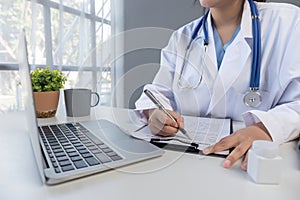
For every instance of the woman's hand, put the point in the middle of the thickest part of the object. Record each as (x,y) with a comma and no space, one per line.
(160,124)
(242,141)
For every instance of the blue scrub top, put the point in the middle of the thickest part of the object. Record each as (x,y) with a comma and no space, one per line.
(220,49)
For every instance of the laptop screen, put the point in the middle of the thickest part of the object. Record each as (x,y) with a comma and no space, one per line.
(27,95)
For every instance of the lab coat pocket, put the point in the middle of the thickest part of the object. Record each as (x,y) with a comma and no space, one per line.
(241,107)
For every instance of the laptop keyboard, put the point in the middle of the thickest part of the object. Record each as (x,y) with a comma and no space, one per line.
(70,146)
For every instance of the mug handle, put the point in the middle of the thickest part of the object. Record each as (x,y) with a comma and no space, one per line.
(98,98)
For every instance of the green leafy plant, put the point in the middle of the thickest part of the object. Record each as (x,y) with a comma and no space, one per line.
(44,80)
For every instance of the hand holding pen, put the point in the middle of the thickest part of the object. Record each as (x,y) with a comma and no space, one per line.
(164,122)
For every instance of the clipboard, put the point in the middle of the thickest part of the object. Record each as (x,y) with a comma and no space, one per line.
(192,148)
(179,144)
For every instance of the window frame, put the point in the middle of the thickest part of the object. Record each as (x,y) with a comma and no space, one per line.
(92,16)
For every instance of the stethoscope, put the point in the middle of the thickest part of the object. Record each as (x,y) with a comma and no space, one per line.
(252,98)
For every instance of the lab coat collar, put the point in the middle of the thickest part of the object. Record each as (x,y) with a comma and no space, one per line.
(246,32)
(234,61)
(246,23)
(211,52)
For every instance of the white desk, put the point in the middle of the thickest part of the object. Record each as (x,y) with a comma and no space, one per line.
(173,176)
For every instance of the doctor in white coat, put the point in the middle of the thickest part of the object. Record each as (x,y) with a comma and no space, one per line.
(212,80)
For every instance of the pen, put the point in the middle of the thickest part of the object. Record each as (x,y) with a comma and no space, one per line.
(161,107)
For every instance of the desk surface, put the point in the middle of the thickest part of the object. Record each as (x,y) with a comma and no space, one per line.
(174,175)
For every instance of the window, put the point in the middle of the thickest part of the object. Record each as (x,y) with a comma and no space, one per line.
(70,35)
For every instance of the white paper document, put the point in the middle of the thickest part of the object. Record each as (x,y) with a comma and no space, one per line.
(203,131)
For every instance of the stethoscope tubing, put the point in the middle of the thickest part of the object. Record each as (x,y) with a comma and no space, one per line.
(256,57)
(255,71)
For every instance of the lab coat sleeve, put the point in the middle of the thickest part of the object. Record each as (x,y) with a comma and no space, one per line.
(162,83)
(283,121)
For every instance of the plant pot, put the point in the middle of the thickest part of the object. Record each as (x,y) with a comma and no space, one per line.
(46,103)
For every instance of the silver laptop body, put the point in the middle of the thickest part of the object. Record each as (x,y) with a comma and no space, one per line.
(102,134)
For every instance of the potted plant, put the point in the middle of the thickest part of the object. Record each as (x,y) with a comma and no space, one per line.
(46,84)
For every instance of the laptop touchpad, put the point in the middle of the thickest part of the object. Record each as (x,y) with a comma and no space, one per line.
(120,140)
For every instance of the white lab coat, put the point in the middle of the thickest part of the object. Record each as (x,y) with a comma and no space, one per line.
(220,93)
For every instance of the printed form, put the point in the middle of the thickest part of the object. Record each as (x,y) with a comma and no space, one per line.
(203,131)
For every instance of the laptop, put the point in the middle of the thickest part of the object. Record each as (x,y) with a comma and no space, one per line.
(68,151)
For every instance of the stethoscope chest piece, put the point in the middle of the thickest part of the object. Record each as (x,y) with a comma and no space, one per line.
(252,98)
